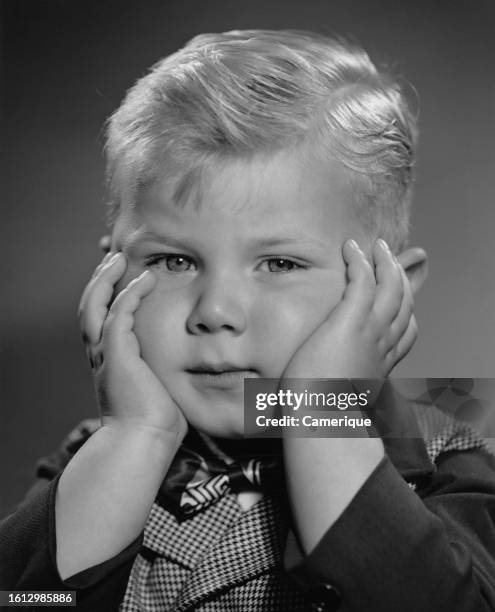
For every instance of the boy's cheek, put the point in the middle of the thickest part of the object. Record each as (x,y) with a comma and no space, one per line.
(309,309)
(290,322)
(159,316)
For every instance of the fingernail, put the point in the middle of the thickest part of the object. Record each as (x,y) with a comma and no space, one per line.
(136,279)
(353,244)
(114,257)
(384,245)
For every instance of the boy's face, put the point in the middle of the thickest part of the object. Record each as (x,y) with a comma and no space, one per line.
(243,279)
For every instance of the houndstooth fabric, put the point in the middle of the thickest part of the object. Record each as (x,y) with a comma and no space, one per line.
(225,560)
(220,560)
(442,433)
(455,438)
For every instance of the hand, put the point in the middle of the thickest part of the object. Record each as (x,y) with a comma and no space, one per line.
(128,392)
(370,330)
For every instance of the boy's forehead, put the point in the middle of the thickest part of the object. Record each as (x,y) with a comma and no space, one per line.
(282,190)
(236,183)
(287,176)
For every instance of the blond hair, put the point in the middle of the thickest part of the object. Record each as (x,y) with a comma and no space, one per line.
(242,93)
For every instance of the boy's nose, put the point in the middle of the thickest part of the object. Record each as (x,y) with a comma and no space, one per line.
(219,307)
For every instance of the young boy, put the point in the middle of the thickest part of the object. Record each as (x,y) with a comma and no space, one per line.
(260,186)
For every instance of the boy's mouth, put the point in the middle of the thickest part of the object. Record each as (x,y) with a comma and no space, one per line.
(217,368)
(220,375)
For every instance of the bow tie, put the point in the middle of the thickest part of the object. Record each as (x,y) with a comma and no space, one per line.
(201,474)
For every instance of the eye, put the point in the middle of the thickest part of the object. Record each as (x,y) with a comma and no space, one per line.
(281,265)
(173,263)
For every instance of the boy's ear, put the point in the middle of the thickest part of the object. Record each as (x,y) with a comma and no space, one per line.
(105,243)
(415,264)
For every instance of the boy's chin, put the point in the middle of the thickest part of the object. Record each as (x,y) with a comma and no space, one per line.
(218,416)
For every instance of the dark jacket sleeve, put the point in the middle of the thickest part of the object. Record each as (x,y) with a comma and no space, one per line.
(28,547)
(28,557)
(433,549)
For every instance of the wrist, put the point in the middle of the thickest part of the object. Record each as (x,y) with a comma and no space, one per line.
(132,431)
(323,477)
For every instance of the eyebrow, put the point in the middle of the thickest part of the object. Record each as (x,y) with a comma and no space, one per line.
(143,236)
(262,242)
(273,241)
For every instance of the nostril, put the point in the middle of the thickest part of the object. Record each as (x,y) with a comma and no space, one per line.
(206,329)
(209,317)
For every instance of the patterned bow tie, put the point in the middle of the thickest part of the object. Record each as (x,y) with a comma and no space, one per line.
(201,474)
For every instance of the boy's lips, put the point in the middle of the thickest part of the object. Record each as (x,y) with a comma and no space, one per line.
(217,367)
(222,375)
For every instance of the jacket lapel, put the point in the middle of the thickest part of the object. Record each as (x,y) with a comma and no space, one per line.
(186,542)
(251,548)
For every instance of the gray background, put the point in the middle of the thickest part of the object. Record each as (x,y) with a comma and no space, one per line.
(66,66)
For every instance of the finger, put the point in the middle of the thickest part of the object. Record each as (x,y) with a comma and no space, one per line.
(102,263)
(118,334)
(360,290)
(405,344)
(97,296)
(389,289)
(94,353)
(401,322)
(106,259)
